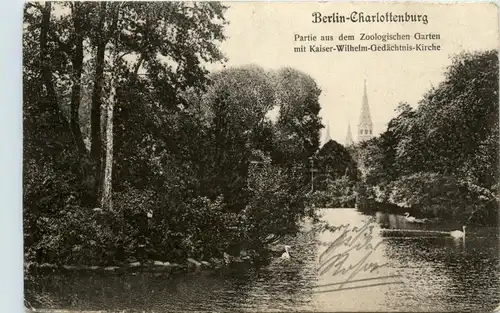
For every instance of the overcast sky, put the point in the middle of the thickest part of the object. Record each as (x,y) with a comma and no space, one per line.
(263,34)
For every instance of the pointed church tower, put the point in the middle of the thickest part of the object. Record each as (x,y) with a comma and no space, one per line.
(348,138)
(365,126)
(327,134)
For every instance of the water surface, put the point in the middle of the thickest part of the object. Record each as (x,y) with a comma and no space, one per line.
(420,271)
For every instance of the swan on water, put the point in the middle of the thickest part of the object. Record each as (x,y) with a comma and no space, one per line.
(458,234)
(410,218)
(286,254)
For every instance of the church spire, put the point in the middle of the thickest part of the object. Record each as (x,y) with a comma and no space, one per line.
(327,133)
(348,138)
(365,126)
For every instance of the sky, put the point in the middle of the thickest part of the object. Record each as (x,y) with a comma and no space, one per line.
(263,34)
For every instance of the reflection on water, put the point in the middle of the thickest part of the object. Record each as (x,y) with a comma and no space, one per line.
(437,273)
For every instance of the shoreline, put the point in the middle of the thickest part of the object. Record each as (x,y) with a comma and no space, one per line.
(154,266)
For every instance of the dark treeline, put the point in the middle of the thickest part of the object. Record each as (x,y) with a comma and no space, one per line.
(441,159)
(134,151)
(337,177)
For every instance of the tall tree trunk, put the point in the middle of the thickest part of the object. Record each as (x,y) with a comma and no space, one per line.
(77,62)
(107,181)
(62,126)
(106,200)
(89,197)
(95,114)
(44,62)
(45,67)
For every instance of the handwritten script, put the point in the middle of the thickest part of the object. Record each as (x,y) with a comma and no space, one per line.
(349,254)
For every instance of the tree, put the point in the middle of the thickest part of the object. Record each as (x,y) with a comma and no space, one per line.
(451,138)
(333,162)
(153,102)
(448,132)
(82,65)
(86,29)
(234,110)
(298,125)
(467,106)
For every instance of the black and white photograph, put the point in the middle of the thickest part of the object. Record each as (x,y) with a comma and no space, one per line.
(190,156)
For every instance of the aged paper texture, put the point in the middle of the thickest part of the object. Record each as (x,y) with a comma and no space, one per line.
(260,157)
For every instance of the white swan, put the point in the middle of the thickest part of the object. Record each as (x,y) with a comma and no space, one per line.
(286,254)
(410,218)
(457,233)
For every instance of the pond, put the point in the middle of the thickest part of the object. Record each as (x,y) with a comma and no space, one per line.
(360,266)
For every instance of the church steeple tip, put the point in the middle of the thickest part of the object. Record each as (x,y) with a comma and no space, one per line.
(327,134)
(365,126)
(348,139)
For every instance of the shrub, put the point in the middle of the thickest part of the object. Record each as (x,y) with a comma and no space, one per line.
(436,195)
(276,205)
(339,193)
(75,236)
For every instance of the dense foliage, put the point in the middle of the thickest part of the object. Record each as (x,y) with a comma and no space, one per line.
(336,177)
(134,151)
(442,157)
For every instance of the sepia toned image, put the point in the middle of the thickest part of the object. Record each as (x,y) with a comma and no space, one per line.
(260,157)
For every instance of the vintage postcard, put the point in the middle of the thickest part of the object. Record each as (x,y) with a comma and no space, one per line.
(260,157)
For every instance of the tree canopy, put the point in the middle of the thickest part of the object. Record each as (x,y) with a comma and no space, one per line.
(452,133)
(133,150)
